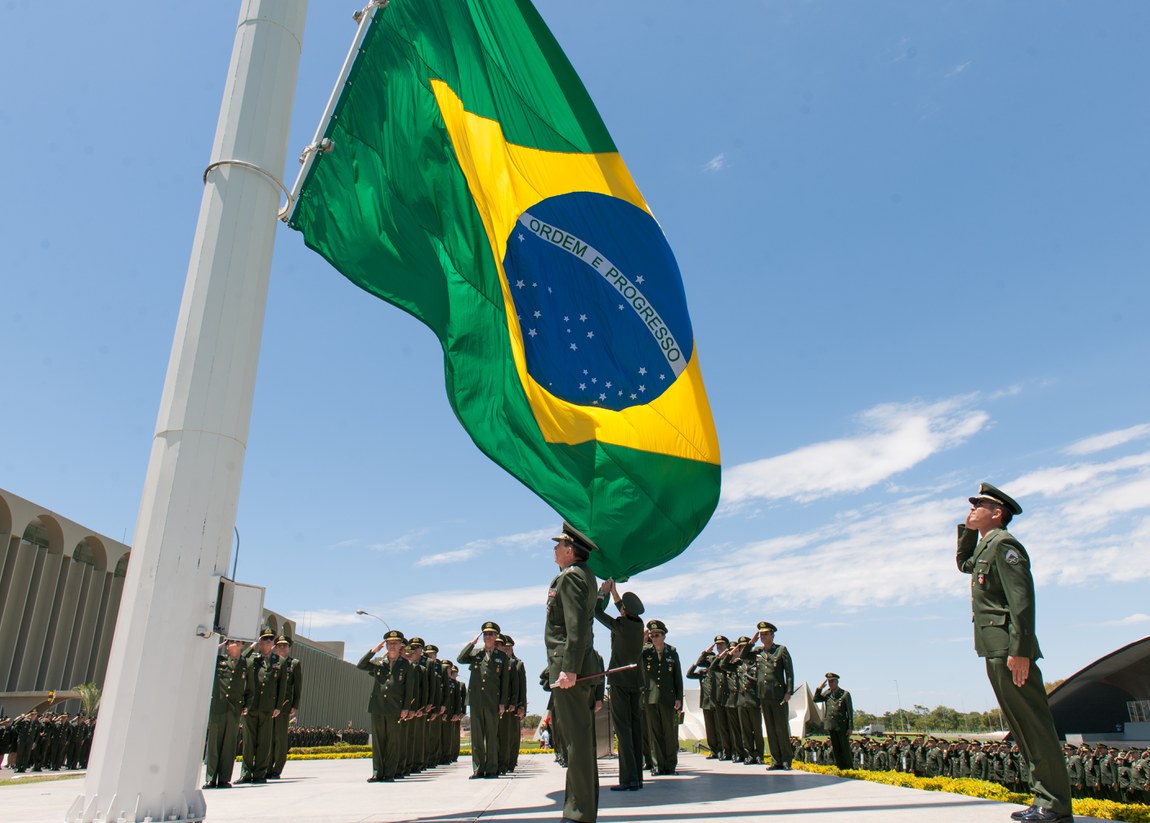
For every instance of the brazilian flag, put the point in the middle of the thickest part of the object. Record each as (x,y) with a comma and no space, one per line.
(473,184)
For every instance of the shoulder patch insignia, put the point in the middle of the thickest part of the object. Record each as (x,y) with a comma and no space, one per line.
(1012,557)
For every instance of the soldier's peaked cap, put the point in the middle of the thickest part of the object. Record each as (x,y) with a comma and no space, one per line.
(392,634)
(764,626)
(507,640)
(832,676)
(996,495)
(491,626)
(431,647)
(719,638)
(744,640)
(415,642)
(632,603)
(267,634)
(656,626)
(283,638)
(573,535)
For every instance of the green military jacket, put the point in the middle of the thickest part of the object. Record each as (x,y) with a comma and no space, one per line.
(489,685)
(569,631)
(840,712)
(662,676)
(263,684)
(746,680)
(291,683)
(229,686)
(1002,593)
(775,673)
(626,646)
(699,671)
(393,688)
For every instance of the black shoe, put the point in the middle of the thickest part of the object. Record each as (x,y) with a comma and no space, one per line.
(273,777)
(247,778)
(209,786)
(712,756)
(1021,814)
(775,767)
(387,780)
(1039,815)
(259,780)
(223,785)
(622,788)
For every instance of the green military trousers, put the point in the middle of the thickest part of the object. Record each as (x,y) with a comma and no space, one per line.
(778,727)
(575,711)
(257,744)
(664,736)
(508,740)
(751,728)
(223,737)
(386,742)
(485,742)
(1027,713)
(627,717)
(280,743)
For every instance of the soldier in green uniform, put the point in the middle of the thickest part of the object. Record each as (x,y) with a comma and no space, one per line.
(662,697)
(488,690)
(229,696)
(291,688)
(456,709)
(747,703)
(518,710)
(626,686)
(437,679)
(776,683)
(1002,596)
(263,691)
(413,729)
(726,692)
(700,671)
(391,703)
(839,718)
(568,635)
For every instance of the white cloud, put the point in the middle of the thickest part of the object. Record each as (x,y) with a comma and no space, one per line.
(716,163)
(897,437)
(1109,440)
(403,543)
(447,557)
(1129,620)
(448,606)
(1083,480)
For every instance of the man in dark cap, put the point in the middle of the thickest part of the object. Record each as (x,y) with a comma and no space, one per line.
(391,703)
(229,695)
(839,718)
(701,670)
(1002,597)
(626,714)
(516,709)
(568,635)
(775,672)
(488,690)
(263,691)
(662,697)
(291,689)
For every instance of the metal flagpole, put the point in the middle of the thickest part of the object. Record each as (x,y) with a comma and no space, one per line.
(150,737)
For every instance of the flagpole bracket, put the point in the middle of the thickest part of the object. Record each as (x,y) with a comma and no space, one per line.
(357,16)
(244,164)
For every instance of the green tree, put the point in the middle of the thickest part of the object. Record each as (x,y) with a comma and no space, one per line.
(89,698)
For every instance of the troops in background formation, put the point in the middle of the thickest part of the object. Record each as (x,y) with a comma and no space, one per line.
(1101,772)
(46,742)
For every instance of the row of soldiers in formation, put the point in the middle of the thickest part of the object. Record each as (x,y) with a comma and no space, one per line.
(1099,771)
(308,736)
(260,688)
(417,705)
(46,742)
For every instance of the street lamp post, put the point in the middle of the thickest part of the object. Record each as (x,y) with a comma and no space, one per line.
(369,614)
(905,725)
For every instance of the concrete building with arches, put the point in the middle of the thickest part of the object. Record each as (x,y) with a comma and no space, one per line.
(60,589)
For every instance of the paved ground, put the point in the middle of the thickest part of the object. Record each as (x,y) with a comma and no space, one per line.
(336,791)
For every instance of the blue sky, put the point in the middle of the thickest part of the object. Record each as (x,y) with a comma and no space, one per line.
(914,243)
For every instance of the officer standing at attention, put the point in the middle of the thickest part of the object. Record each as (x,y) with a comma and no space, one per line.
(662,697)
(569,638)
(263,698)
(392,701)
(626,715)
(776,681)
(701,670)
(291,687)
(1002,597)
(839,718)
(229,695)
(511,721)
(488,690)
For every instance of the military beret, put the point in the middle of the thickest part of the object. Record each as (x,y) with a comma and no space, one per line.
(431,647)
(491,626)
(764,626)
(575,538)
(994,495)
(283,639)
(744,640)
(656,626)
(415,642)
(631,602)
(392,634)
(267,634)
(722,639)
(832,676)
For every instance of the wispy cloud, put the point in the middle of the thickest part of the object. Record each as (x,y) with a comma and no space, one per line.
(959,69)
(325,619)
(447,557)
(1129,620)
(716,163)
(896,437)
(1101,442)
(404,542)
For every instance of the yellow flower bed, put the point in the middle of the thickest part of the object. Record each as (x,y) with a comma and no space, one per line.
(360,752)
(1087,807)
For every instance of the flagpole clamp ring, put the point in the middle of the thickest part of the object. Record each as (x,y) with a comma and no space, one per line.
(244,164)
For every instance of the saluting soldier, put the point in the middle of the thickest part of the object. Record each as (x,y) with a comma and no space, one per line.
(776,684)
(391,703)
(662,697)
(569,634)
(626,686)
(517,709)
(456,708)
(727,703)
(700,671)
(437,692)
(748,703)
(414,731)
(229,696)
(1002,598)
(839,718)
(291,688)
(1074,769)
(263,692)
(488,691)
